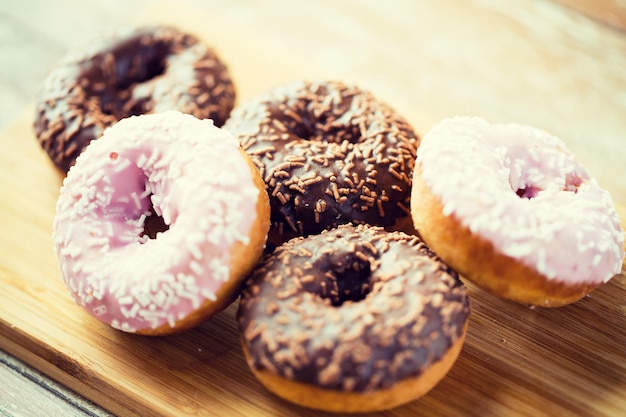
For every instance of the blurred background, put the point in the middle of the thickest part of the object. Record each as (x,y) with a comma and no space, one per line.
(556,64)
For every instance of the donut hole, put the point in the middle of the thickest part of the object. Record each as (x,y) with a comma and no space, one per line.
(304,130)
(528,192)
(150,66)
(572,183)
(326,126)
(347,278)
(131,71)
(153,225)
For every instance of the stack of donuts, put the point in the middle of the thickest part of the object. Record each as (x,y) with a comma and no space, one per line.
(342,233)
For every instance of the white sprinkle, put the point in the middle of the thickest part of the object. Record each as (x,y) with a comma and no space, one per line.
(141,161)
(132,312)
(126,300)
(98,294)
(195,251)
(159,298)
(136,200)
(196,267)
(154,157)
(141,221)
(72,251)
(193,297)
(127,237)
(109,229)
(597,259)
(209,295)
(77,267)
(157,176)
(94,179)
(97,241)
(122,164)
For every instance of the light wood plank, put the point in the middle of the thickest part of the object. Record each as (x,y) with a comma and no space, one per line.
(611,12)
(527,61)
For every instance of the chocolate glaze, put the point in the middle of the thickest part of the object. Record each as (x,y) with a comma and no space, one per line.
(351,309)
(330,154)
(131,72)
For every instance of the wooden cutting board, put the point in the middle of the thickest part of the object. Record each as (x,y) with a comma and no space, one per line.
(432,60)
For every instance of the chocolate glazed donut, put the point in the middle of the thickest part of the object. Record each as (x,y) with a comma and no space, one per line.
(330,154)
(131,72)
(340,320)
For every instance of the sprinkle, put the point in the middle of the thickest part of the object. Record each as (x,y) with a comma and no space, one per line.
(312,138)
(288,291)
(526,198)
(113,222)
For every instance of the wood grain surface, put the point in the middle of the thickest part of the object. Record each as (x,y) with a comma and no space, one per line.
(532,62)
(610,12)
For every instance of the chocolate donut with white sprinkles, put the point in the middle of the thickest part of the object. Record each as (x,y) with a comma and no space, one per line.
(125,73)
(330,154)
(354,319)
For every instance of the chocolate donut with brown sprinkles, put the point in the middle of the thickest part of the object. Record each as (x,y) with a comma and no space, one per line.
(330,154)
(354,319)
(124,73)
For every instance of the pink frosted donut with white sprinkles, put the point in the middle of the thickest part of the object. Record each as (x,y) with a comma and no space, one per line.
(510,208)
(191,180)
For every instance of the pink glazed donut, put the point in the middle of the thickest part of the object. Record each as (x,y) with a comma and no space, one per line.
(191,180)
(510,209)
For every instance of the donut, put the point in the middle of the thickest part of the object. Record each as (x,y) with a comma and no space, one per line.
(124,73)
(330,154)
(354,319)
(509,208)
(209,211)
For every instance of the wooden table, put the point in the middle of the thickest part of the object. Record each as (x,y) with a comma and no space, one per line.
(558,65)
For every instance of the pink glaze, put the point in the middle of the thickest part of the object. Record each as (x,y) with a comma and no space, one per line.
(521,189)
(194,176)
